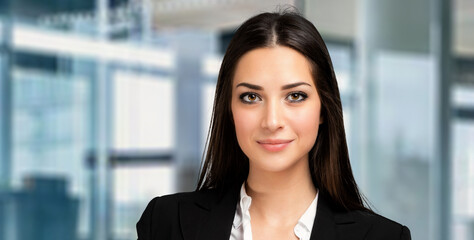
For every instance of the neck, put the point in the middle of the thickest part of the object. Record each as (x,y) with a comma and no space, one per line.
(281,195)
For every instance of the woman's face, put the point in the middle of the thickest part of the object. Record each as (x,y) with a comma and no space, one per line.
(275,107)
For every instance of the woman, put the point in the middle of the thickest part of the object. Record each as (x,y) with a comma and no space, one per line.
(277,164)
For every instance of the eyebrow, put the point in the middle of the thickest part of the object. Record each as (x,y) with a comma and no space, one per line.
(256,87)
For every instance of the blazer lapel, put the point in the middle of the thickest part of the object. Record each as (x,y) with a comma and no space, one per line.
(210,216)
(324,226)
(330,224)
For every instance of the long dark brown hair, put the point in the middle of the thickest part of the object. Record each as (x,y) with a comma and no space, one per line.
(225,165)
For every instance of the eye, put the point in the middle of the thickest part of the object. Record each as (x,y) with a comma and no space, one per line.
(296,97)
(249,98)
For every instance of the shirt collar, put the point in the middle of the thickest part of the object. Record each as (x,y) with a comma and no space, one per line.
(306,221)
(243,207)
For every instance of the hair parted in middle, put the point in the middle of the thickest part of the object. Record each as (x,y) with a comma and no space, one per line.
(225,165)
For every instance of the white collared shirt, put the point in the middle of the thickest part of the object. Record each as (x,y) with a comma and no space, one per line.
(241,228)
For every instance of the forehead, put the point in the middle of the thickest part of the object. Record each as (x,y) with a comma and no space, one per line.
(273,65)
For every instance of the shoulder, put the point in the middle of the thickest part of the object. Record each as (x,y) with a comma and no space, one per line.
(357,224)
(172,200)
(168,204)
(380,227)
(162,213)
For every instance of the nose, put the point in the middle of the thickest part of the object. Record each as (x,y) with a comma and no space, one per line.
(272,116)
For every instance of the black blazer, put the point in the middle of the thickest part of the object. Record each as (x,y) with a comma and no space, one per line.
(207,215)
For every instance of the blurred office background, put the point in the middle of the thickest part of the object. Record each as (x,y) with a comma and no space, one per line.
(105,104)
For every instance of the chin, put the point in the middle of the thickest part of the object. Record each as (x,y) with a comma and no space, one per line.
(274,164)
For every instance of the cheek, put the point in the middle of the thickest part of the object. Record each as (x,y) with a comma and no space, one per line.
(244,123)
(306,123)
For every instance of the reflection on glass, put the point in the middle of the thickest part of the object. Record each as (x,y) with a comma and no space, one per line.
(144,111)
(134,187)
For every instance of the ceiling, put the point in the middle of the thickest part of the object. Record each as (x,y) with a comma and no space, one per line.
(335,18)
(210,14)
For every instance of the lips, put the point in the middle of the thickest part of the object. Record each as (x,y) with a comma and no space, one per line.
(274,145)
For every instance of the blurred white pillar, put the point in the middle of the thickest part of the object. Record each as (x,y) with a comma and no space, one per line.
(442,49)
(101,220)
(147,19)
(191,46)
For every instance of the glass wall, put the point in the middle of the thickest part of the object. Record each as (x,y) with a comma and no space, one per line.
(106,104)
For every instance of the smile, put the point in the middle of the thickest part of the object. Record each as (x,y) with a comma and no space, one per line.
(274,145)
